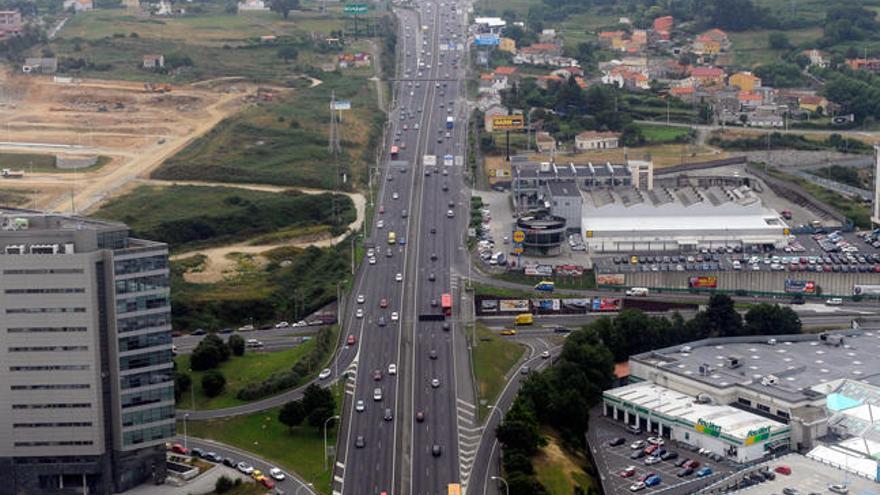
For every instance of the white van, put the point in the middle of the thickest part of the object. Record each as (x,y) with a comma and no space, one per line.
(253,344)
(834,301)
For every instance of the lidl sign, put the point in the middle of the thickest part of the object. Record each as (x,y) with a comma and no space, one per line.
(759,435)
(708,428)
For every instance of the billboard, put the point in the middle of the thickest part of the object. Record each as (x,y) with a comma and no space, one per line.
(539,271)
(569,270)
(489,305)
(546,304)
(800,286)
(703,282)
(610,279)
(487,39)
(508,122)
(606,304)
(341,105)
(866,290)
(518,305)
(429,160)
(576,304)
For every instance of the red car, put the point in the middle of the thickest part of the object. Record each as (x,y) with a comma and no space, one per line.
(383,303)
(179,449)
(269,484)
(692,464)
(351,340)
(381,208)
(650,449)
(627,472)
(783,470)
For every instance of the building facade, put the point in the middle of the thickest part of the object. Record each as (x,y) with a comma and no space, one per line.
(86,384)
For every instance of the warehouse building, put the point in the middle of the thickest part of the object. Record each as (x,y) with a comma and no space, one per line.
(678,219)
(820,387)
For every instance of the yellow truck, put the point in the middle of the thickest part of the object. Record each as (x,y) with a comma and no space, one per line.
(524,319)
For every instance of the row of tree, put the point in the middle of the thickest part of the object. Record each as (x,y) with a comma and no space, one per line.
(316,407)
(562,395)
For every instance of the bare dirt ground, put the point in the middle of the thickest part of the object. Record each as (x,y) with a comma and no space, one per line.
(223,261)
(137,129)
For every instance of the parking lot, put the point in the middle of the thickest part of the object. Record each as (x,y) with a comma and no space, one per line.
(611,460)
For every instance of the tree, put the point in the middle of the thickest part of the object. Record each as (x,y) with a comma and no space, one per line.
(772,319)
(519,430)
(778,41)
(209,353)
(318,404)
(288,53)
(236,344)
(284,7)
(523,484)
(213,383)
(182,383)
(721,317)
(292,414)
(223,484)
(632,136)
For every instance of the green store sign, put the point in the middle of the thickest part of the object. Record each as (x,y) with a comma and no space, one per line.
(707,428)
(758,435)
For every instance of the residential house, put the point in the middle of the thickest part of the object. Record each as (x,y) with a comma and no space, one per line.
(817,58)
(663,27)
(547,36)
(544,82)
(40,65)
(608,39)
(153,62)
(490,24)
(595,140)
(712,42)
(868,64)
(78,5)
(10,22)
(164,7)
(545,142)
(493,111)
(512,73)
(707,76)
(568,72)
(507,45)
(749,100)
(746,81)
(625,78)
(355,60)
(812,103)
(684,93)
(253,6)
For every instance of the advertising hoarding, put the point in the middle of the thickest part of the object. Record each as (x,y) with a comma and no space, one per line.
(539,271)
(576,304)
(508,122)
(546,304)
(606,304)
(518,305)
(800,286)
(487,39)
(569,270)
(489,305)
(866,290)
(703,282)
(610,279)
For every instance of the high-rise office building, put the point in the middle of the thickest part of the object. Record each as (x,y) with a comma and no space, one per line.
(86,380)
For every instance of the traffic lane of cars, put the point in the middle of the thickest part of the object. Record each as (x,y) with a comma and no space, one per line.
(282,483)
(617,458)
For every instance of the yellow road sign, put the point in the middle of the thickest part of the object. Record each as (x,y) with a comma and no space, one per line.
(519,236)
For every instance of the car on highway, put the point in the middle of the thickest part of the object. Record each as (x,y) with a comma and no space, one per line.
(282,324)
(435,382)
(432,277)
(432,354)
(392,369)
(561,330)
(199,331)
(436,451)
(276,474)
(508,331)
(359,313)
(377,374)
(377,394)
(388,414)
(245,328)
(381,321)
(433,303)
(351,340)
(420,416)
(383,303)
(359,406)
(324,374)
(433,230)
(380,224)
(361,299)
(359,442)
(395,196)
(372,260)
(433,256)
(398,277)
(245,468)
(545,355)
(394,316)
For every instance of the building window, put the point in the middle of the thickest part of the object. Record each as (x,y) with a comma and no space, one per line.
(73,386)
(141,284)
(147,397)
(142,303)
(148,434)
(148,416)
(64,443)
(782,414)
(45,291)
(144,360)
(51,367)
(145,264)
(12,311)
(162,337)
(745,402)
(45,329)
(51,348)
(73,405)
(68,424)
(43,271)
(762,407)
(148,378)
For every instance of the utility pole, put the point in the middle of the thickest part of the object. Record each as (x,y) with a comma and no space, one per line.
(335,150)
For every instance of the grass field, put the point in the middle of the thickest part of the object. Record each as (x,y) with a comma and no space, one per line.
(188,216)
(299,449)
(247,487)
(493,356)
(285,143)
(558,470)
(240,372)
(40,163)
(586,282)
(855,210)
(658,133)
(13,198)
(752,48)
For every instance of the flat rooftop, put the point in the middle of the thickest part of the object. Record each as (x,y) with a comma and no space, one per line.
(672,223)
(733,422)
(804,367)
(24,220)
(563,171)
(810,476)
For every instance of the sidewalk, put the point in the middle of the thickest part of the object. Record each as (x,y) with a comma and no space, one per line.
(203,483)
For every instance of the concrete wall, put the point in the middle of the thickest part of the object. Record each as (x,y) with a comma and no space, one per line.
(836,284)
(74,162)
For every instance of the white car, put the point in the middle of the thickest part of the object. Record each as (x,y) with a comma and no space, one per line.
(377,394)
(361,299)
(394,316)
(324,374)
(359,313)
(245,468)
(282,324)
(435,383)
(399,277)
(359,406)
(394,195)
(372,260)
(277,474)
(638,444)
(380,223)
(657,441)
(651,460)
(245,328)
(392,369)
(545,355)
(637,486)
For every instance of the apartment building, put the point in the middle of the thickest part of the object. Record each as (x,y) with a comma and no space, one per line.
(86,380)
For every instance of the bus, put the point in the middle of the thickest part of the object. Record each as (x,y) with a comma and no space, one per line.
(392,238)
(453,489)
(446,302)
(394,152)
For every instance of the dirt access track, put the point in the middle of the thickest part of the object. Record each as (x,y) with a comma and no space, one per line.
(136,129)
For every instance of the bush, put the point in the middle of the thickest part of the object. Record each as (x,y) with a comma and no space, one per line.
(224,484)
(236,345)
(182,383)
(210,352)
(213,383)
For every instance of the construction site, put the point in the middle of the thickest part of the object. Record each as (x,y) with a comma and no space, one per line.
(135,125)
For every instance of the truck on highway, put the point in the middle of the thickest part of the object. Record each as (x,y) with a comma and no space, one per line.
(448,160)
(395,152)
(545,285)
(524,319)
(11,174)
(450,122)
(637,292)
(392,238)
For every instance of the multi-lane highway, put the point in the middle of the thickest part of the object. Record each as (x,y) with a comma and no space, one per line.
(383,446)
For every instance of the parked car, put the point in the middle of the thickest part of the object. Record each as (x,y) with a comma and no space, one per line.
(638,444)
(838,488)
(685,471)
(245,468)
(704,471)
(783,470)
(653,480)
(637,486)
(655,440)
(195,451)
(635,430)
(668,456)
(614,442)
(627,472)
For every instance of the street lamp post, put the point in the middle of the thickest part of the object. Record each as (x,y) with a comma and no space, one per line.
(309,485)
(325,438)
(192,391)
(185,417)
(506,488)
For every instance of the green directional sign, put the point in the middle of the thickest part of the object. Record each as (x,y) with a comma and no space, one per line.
(355,8)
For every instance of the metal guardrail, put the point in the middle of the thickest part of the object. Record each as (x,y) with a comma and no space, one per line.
(833,185)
